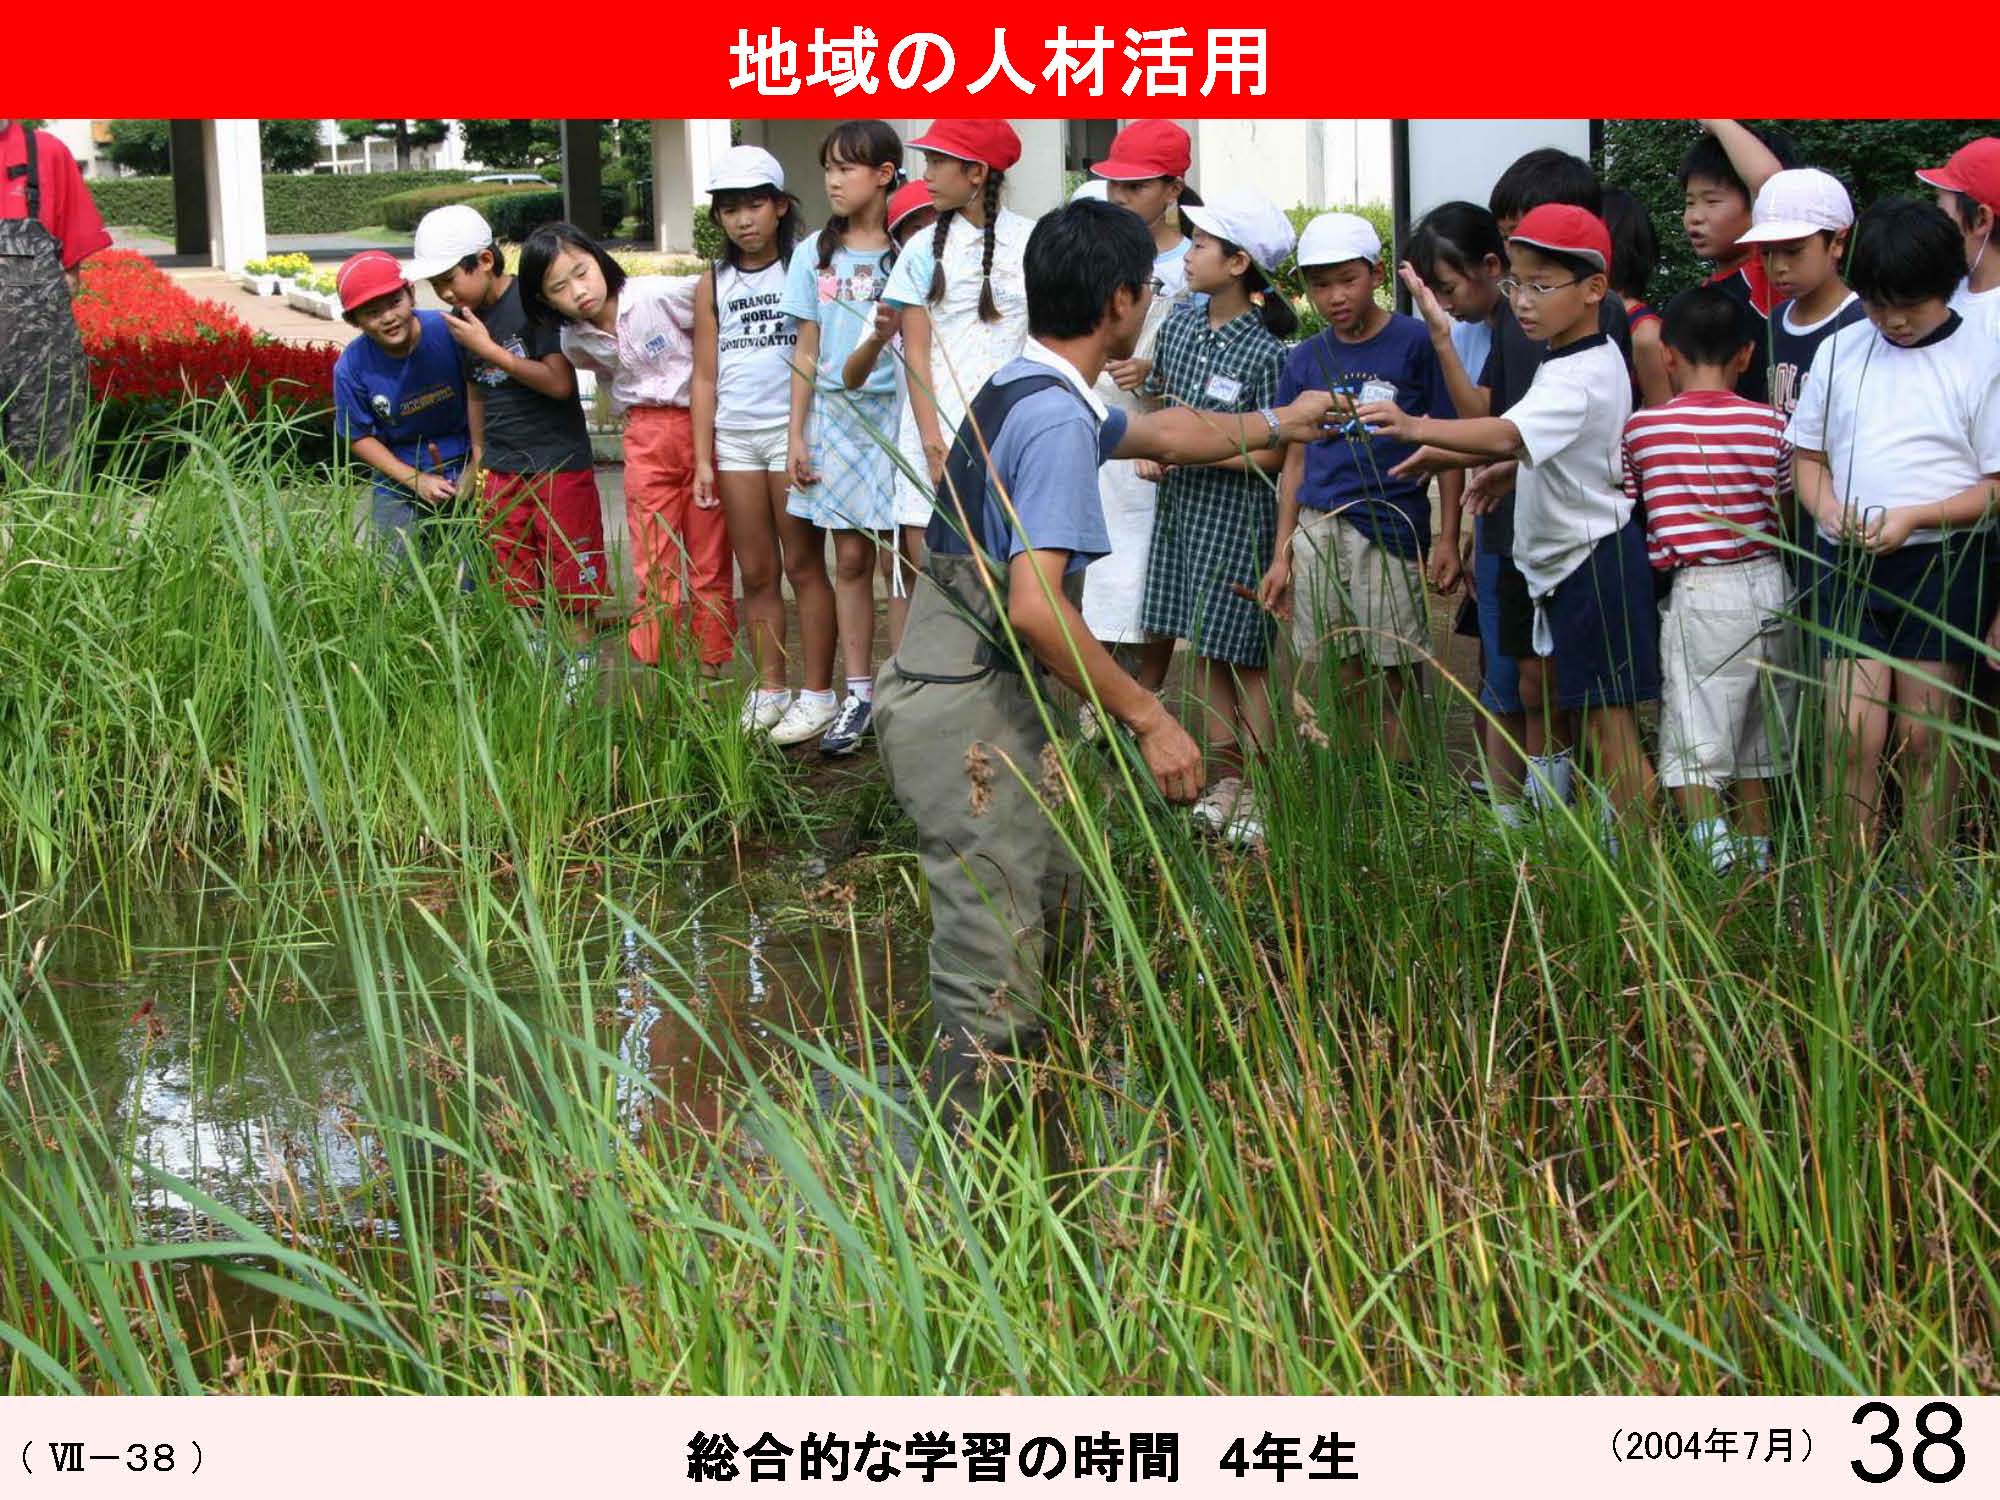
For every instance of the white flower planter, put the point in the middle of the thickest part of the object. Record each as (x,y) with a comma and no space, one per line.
(259,284)
(299,297)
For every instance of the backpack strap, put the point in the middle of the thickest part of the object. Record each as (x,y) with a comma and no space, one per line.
(966,488)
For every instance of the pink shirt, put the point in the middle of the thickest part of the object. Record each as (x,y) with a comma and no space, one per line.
(650,360)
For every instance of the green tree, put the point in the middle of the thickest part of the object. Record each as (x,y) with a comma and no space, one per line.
(510,143)
(407,134)
(288,145)
(1874,158)
(141,146)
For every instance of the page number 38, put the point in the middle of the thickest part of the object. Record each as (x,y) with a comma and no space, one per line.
(1937,1455)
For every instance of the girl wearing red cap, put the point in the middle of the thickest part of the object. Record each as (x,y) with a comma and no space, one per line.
(964,300)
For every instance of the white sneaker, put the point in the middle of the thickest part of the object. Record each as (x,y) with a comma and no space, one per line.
(1218,804)
(762,710)
(804,719)
(577,674)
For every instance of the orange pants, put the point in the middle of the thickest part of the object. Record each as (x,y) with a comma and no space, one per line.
(686,571)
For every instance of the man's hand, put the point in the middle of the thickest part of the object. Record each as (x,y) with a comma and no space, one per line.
(1129,374)
(469,333)
(1274,589)
(1445,570)
(1425,301)
(1170,754)
(1387,419)
(1307,419)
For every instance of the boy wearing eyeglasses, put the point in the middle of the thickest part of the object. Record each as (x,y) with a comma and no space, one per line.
(1577,542)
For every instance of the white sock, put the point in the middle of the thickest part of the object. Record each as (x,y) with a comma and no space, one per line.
(768,697)
(816,697)
(1551,779)
(862,688)
(1756,849)
(1511,814)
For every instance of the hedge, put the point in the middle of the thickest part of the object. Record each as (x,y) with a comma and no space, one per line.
(515,214)
(1874,158)
(403,210)
(316,203)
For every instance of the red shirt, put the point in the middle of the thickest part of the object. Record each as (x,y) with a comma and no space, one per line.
(1704,459)
(67,209)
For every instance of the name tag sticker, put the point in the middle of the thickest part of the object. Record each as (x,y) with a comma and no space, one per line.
(1223,388)
(1376,390)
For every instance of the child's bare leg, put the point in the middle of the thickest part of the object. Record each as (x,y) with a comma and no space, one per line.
(1215,689)
(746,510)
(804,548)
(1151,660)
(1399,698)
(1620,761)
(1253,707)
(1700,804)
(1857,728)
(1753,807)
(1928,765)
(1502,737)
(854,601)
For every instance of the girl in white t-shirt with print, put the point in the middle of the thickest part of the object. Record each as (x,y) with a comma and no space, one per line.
(962,290)
(741,396)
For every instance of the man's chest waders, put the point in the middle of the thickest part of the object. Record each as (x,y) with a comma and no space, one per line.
(958,729)
(41,352)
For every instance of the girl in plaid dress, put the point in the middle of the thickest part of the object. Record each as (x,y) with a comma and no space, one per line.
(1215,523)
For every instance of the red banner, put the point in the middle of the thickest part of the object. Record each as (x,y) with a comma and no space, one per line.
(495,58)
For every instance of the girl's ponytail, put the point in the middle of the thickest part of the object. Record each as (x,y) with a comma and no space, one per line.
(938,233)
(989,311)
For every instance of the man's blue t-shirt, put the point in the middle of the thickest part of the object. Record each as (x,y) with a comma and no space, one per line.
(1046,459)
(1350,471)
(408,404)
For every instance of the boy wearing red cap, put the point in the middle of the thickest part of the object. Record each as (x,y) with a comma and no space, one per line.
(1968,188)
(1577,541)
(1142,173)
(399,399)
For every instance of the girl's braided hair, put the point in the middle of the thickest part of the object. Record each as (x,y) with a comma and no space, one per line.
(989,310)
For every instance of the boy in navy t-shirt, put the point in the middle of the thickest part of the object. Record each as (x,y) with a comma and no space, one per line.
(399,400)
(1353,539)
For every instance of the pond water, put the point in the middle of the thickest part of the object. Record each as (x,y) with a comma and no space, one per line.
(223,1038)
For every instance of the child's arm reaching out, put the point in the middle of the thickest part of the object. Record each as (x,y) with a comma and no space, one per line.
(1480,437)
(1754,161)
(868,353)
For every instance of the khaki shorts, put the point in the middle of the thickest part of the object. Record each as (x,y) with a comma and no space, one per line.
(1351,597)
(1728,699)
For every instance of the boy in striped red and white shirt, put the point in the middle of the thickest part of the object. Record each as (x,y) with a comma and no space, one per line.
(1703,469)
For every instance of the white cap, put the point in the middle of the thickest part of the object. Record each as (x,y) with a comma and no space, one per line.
(1249,221)
(745,167)
(1795,204)
(445,236)
(1093,188)
(1331,239)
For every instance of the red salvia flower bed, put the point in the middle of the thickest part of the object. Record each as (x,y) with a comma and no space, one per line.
(152,344)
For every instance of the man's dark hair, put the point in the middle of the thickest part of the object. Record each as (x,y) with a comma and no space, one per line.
(541,248)
(1545,175)
(1635,249)
(1077,258)
(1707,160)
(1905,251)
(1706,326)
(1459,235)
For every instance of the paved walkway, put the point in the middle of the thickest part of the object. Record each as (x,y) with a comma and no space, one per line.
(321,247)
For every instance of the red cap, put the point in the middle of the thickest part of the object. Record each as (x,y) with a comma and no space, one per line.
(990,141)
(906,200)
(1565,228)
(364,277)
(1974,170)
(1146,149)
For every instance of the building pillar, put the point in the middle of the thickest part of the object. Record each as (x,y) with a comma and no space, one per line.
(683,153)
(582,144)
(234,159)
(188,162)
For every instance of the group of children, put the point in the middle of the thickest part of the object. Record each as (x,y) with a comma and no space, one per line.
(1658,495)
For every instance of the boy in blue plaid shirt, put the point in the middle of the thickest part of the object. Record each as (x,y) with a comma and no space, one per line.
(1215,523)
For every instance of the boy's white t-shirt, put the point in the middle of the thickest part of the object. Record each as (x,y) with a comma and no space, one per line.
(1902,426)
(1966,301)
(1570,493)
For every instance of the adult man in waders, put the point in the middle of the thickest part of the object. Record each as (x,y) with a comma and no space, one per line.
(48,224)
(1017,521)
